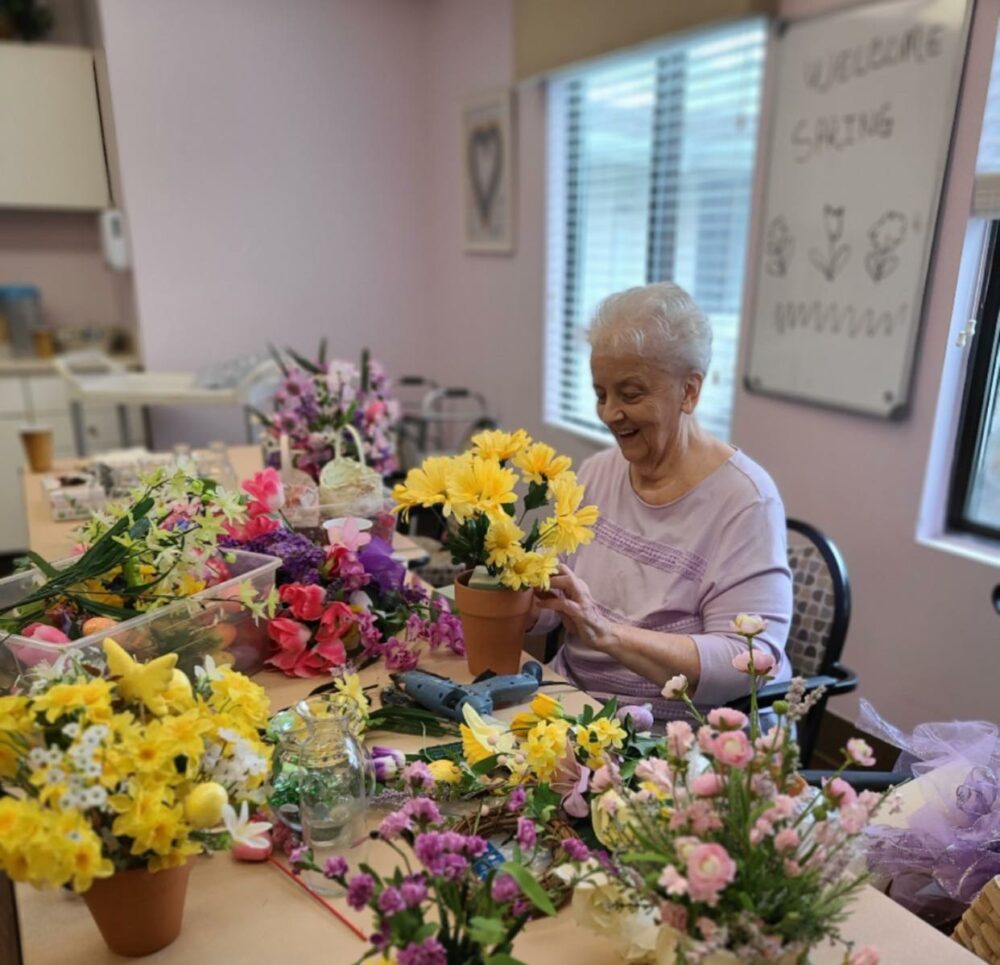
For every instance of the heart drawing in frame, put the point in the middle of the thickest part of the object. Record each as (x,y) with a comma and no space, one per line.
(485,160)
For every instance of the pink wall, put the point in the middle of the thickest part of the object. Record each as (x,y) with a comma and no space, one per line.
(923,634)
(273,158)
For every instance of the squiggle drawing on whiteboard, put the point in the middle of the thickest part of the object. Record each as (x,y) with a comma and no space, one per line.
(835,319)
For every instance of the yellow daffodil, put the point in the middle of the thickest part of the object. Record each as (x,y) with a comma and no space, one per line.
(544,747)
(239,696)
(503,540)
(523,722)
(481,739)
(425,486)
(546,706)
(596,738)
(480,485)
(499,445)
(144,683)
(540,464)
(529,571)
(445,771)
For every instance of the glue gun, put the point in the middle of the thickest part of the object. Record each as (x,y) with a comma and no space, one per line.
(446,697)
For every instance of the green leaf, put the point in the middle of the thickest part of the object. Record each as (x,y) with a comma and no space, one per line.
(365,369)
(43,564)
(427,930)
(276,355)
(303,363)
(608,710)
(486,931)
(322,350)
(486,765)
(538,495)
(531,541)
(533,891)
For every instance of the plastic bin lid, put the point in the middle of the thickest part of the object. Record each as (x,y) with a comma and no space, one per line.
(19,291)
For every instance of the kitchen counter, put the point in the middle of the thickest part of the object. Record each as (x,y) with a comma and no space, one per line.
(12,365)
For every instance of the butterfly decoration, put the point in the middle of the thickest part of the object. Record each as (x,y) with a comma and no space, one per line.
(141,682)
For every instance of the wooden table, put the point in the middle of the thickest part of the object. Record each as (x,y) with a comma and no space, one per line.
(54,540)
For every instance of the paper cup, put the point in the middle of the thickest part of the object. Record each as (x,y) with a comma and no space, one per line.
(37,442)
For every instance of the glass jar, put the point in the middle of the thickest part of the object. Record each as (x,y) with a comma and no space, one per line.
(214,463)
(322,779)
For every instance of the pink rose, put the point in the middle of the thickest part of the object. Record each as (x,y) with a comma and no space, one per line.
(332,652)
(252,528)
(336,620)
(732,747)
(725,718)
(291,638)
(706,738)
(763,662)
(305,602)
(674,915)
(266,490)
(709,870)
(707,785)
(680,737)
(787,839)
(840,792)
(672,881)
(860,752)
(865,955)
(749,624)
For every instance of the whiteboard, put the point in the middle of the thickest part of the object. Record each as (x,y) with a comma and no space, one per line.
(864,106)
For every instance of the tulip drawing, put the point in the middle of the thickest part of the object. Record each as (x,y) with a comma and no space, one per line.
(831,262)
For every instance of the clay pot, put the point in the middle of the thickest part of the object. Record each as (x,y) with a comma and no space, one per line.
(494,622)
(139,912)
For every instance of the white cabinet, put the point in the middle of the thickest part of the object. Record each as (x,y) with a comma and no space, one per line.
(13,525)
(52,152)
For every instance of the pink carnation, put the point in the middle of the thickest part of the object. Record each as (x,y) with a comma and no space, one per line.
(726,718)
(707,785)
(763,662)
(709,870)
(733,748)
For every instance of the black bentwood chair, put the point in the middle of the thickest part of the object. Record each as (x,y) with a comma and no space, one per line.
(821,612)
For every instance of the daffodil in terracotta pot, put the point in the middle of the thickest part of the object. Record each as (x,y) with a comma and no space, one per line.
(513,507)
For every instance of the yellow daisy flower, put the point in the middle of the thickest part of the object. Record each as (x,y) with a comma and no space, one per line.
(480,485)
(499,445)
(503,540)
(425,486)
(539,463)
(529,571)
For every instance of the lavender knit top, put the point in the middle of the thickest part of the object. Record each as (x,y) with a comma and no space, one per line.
(687,567)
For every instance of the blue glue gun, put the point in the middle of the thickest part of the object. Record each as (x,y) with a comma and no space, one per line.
(446,697)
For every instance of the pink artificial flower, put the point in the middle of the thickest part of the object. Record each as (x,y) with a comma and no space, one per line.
(709,870)
(266,490)
(763,662)
(792,868)
(657,772)
(749,624)
(840,792)
(44,633)
(707,785)
(726,718)
(674,687)
(702,817)
(865,955)
(732,747)
(787,839)
(853,818)
(772,741)
(860,752)
(306,602)
(252,528)
(605,776)
(336,620)
(706,738)
(291,638)
(570,782)
(375,408)
(680,737)
(333,652)
(674,915)
(349,535)
(672,881)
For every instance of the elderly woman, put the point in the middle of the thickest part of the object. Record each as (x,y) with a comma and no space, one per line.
(692,531)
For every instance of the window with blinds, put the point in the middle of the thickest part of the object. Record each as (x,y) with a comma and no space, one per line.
(650,175)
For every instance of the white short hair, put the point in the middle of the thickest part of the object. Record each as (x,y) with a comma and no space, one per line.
(659,320)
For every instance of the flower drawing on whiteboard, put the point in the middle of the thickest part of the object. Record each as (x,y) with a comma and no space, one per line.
(831,262)
(885,236)
(779,245)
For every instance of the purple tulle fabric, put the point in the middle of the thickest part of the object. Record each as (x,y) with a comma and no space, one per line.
(951,846)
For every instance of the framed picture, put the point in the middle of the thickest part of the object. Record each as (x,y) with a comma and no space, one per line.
(488,161)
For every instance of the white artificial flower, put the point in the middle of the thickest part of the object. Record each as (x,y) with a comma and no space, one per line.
(37,757)
(242,830)
(72,729)
(749,624)
(359,600)
(208,671)
(55,775)
(674,687)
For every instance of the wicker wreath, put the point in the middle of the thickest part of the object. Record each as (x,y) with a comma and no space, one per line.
(500,822)
(979,929)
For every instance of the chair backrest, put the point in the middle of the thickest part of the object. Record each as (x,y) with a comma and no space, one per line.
(821,600)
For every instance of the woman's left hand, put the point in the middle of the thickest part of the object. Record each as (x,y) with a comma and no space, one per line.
(578,610)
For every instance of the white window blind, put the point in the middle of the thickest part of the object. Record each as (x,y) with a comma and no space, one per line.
(650,176)
(986,195)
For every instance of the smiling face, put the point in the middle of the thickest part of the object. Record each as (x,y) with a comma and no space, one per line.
(641,403)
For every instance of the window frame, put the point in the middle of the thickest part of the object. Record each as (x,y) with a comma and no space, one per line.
(981,387)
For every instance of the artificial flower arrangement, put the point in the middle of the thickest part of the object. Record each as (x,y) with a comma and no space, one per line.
(477,492)
(108,765)
(317,399)
(452,902)
(345,602)
(722,853)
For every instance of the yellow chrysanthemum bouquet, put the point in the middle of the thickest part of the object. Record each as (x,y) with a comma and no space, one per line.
(109,765)
(516,537)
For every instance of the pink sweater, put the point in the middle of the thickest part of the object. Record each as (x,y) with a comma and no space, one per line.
(687,567)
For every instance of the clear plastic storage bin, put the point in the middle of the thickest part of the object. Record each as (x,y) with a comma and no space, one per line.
(211,623)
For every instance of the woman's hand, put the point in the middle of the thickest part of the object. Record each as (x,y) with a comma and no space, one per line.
(578,610)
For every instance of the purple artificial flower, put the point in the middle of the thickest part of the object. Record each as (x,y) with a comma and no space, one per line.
(297,855)
(335,867)
(414,891)
(423,809)
(453,867)
(505,889)
(385,769)
(360,890)
(300,557)
(417,776)
(429,952)
(391,901)
(521,908)
(641,714)
(399,658)
(527,833)
(474,846)
(391,752)
(416,627)
(575,848)
(388,573)
(517,798)
(393,825)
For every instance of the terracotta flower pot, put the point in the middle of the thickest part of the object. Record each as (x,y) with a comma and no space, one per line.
(494,622)
(139,912)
